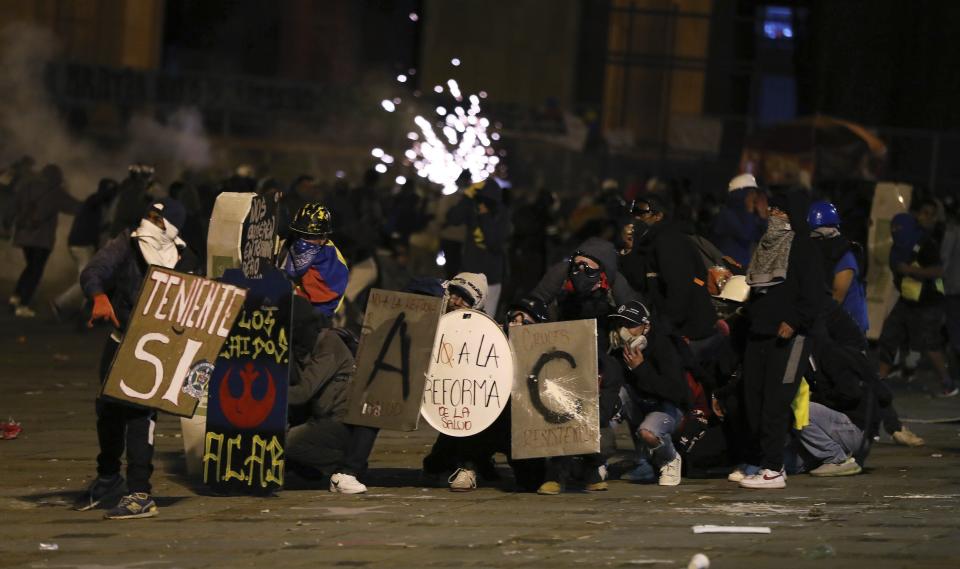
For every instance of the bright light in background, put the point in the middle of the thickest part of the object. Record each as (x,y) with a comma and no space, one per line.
(456,140)
(402,78)
(455,62)
(341,174)
(441,259)
(414,17)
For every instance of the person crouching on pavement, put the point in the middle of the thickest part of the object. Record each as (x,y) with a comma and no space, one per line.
(787,296)
(120,267)
(312,261)
(659,394)
(320,376)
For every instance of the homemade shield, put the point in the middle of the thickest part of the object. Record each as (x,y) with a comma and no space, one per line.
(556,401)
(470,376)
(176,330)
(889,199)
(398,332)
(247,405)
(243,229)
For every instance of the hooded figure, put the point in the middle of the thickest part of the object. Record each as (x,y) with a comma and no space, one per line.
(586,285)
(466,290)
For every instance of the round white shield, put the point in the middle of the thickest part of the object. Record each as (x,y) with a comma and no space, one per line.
(470,375)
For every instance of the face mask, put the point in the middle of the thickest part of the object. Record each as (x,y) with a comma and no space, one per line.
(640,230)
(158,246)
(583,283)
(621,338)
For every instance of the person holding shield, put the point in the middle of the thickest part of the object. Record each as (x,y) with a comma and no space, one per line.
(112,281)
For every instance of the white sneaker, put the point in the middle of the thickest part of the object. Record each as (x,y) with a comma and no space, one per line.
(346,484)
(463,480)
(670,473)
(23,311)
(765,479)
(13,301)
(737,475)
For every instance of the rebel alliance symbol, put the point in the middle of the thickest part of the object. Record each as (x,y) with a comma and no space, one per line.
(245,412)
(554,417)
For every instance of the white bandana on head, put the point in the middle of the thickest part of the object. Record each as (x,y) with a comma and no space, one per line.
(158,246)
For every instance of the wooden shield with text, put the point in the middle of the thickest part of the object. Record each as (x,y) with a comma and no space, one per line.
(392,360)
(556,400)
(247,406)
(176,330)
(243,230)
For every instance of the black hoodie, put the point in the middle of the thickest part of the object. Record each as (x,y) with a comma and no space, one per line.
(666,268)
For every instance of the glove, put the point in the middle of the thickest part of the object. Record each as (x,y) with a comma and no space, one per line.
(103,310)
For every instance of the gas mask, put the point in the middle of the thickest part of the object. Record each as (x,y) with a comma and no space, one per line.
(622,338)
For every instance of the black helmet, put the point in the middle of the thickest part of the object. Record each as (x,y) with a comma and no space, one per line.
(532,306)
(313,219)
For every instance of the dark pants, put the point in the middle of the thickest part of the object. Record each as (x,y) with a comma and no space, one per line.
(124,427)
(772,368)
(30,277)
(317,447)
(358,452)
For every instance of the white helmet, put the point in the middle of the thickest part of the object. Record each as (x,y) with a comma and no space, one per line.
(743,181)
(735,289)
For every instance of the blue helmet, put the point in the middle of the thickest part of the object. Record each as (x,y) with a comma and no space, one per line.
(823,214)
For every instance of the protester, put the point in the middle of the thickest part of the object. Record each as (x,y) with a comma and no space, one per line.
(587,286)
(487,222)
(131,198)
(313,262)
(86,235)
(320,375)
(741,221)
(37,204)
(786,298)
(112,281)
(950,256)
(667,271)
(658,391)
(842,261)
(917,317)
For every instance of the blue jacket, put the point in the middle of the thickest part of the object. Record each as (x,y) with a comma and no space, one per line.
(736,230)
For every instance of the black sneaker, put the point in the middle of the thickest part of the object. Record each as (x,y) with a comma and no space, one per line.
(100,489)
(132,506)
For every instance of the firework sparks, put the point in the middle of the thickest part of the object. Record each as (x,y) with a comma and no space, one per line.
(457,140)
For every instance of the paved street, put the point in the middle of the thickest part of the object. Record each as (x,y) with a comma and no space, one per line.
(902,513)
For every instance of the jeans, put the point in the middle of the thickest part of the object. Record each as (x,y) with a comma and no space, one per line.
(656,416)
(830,438)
